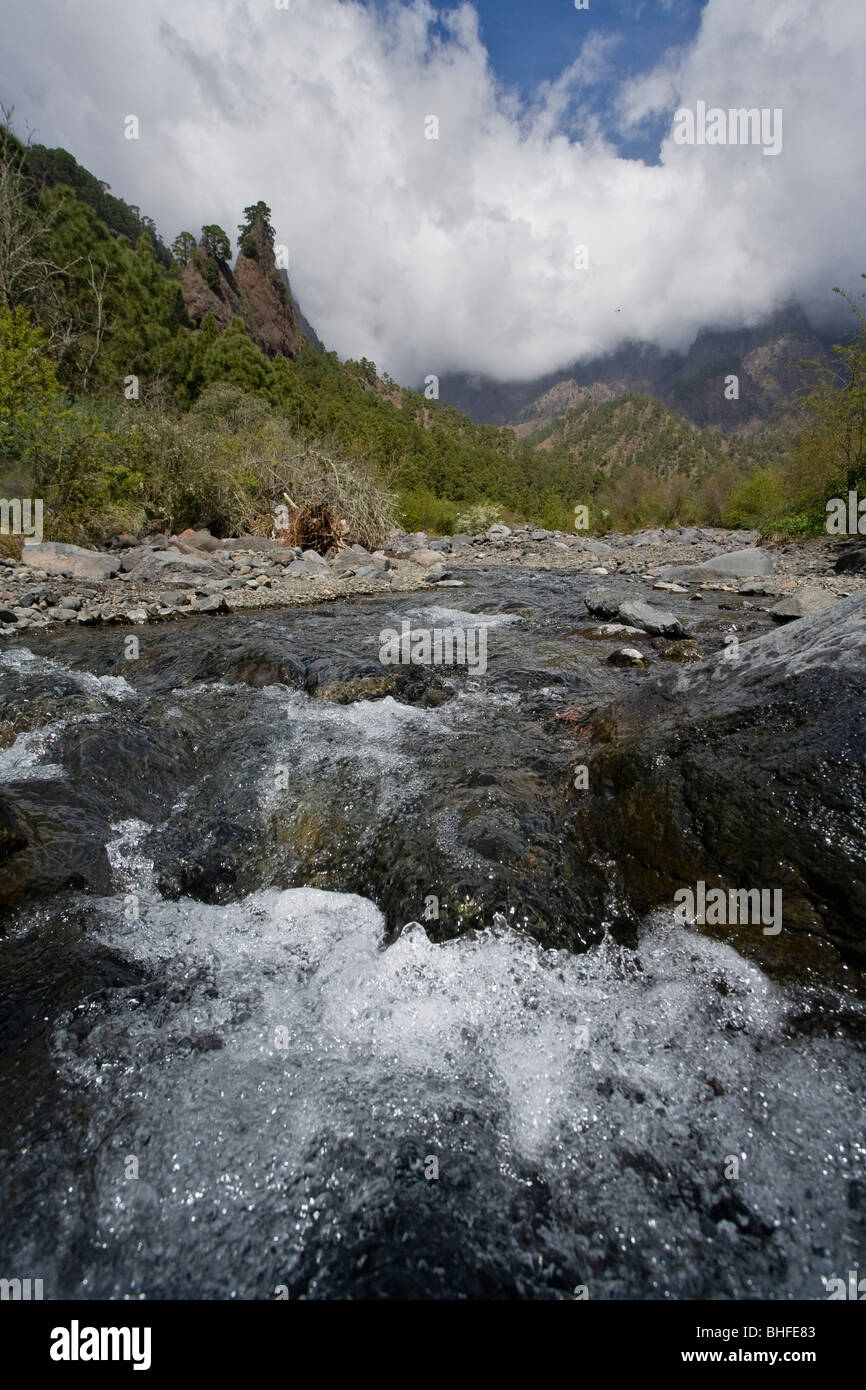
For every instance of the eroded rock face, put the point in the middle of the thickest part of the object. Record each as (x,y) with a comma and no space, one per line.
(254,291)
(745,774)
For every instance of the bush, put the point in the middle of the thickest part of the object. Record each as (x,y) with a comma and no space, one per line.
(758,501)
(479,517)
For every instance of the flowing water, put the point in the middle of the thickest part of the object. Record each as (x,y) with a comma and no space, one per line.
(323,998)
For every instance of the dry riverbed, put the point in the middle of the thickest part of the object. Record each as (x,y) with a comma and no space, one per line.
(174,577)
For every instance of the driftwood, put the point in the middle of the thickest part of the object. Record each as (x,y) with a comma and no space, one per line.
(313,528)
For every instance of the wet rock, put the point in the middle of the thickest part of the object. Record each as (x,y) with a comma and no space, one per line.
(628,656)
(606,631)
(53,557)
(669,588)
(653,620)
(750,776)
(686,650)
(211,603)
(602,602)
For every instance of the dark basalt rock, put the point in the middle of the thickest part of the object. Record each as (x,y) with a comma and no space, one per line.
(745,774)
(852,560)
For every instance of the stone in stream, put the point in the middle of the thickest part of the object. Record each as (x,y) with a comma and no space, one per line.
(655,621)
(809,599)
(211,603)
(628,656)
(747,774)
(686,650)
(53,557)
(602,602)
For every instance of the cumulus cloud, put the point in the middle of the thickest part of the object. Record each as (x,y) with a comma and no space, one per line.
(459,253)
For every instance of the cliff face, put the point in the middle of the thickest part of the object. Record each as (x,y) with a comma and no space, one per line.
(255,292)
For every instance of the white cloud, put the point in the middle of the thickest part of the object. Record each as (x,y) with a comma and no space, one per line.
(430,256)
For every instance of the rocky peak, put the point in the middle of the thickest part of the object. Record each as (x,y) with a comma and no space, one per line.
(255,291)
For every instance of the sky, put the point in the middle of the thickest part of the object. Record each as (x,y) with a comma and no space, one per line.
(564,206)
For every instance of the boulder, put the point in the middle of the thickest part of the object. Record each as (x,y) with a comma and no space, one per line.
(304,569)
(425,557)
(737,564)
(602,602)
(745,774)
(655,621)
(799,605)
(201,540)
(173,567)
(852,560)
(53,557)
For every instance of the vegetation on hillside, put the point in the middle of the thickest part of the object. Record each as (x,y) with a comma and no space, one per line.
(122,414)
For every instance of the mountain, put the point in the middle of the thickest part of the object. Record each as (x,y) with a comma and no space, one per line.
(255,292)
(766,359)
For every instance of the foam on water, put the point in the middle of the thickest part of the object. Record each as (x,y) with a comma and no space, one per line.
(24,662)
(285,1076)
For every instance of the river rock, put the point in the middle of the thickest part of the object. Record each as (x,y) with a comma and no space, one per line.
(799,605)
(425,557)
(174,567)
(750,775)
(628,656)
(655,621)
(852,560)
(304,569)
(53,557)
(738,564)
(602,602)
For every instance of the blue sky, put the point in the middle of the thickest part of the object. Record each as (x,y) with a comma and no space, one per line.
(530,42)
